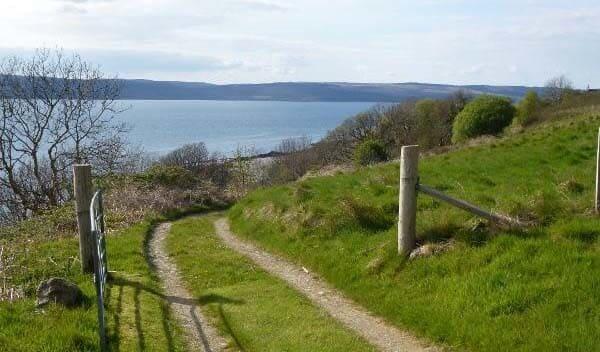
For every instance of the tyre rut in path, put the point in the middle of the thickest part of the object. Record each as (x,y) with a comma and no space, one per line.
(200,336)
(373,329)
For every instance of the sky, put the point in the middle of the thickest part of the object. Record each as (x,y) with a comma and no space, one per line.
(509,42)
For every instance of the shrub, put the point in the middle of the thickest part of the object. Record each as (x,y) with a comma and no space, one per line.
(430,122)
(169,176)
(528,108)
(191,157)
(557,88)
(487,114)
(369,152)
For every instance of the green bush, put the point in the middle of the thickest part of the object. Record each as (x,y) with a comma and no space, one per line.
(528,108)
(487,114)
(369,152)
(169,176)
(430,118)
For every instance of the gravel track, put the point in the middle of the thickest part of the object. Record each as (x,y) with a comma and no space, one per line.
(199,334)
(375,330)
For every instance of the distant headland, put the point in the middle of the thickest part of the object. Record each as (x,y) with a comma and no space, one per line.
(306,91)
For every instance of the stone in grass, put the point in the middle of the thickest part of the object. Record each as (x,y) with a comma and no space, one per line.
(429,249)
(59,291)
(422,251)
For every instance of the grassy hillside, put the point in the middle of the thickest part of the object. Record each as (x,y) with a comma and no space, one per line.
(488,290)
(138,318)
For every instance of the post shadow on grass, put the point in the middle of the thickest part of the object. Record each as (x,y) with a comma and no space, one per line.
(166,300)
(221,301)
(213,298)
(138,321)
(230,329)
(438,233)
(475,236)
(140,288)
(114,339)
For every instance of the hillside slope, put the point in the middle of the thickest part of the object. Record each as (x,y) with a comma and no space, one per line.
(487,290)
(306,91)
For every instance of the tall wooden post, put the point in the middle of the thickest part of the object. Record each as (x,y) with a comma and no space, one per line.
(82,184)
(407,212)
(598,175)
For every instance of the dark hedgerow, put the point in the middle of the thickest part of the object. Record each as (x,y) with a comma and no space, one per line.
(487,114)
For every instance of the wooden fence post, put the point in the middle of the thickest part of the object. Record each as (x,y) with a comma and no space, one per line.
(82,184)
(598,175)
(407,212)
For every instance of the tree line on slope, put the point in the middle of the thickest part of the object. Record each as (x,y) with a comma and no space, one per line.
(378,134)
(57,110)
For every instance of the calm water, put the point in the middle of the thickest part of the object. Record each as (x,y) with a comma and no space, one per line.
(160,126)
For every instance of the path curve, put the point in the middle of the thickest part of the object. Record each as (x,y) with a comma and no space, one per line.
(375,330)
(199,334)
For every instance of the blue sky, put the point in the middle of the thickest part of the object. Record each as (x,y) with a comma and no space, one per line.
(232,41)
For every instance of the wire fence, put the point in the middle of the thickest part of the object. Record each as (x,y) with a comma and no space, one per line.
(100,262)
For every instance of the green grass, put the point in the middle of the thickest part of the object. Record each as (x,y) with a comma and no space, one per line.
(137,316)
(255,310)
(534,290)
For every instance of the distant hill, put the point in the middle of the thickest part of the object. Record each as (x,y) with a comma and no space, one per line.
(305,91)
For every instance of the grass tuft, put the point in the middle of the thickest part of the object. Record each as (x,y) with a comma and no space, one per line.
(367,216)
(585,230)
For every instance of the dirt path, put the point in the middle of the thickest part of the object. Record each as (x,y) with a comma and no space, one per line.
(373,329)
(200,335)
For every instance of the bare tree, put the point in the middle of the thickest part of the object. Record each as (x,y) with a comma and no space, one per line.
(363,125)
(217,170)
(339,143)
(295,159)
(398,126)
(242,174)
(192,157)
(556,88)
(55,110)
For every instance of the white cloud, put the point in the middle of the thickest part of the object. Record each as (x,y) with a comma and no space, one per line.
(261,5)
(454,41)
(68,8)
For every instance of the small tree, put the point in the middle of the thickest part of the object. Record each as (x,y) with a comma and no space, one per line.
(192,157)
(557,88)
(295,159)
(369,152)
(343,139)
(432,122)
(241,168)
(528,108)
(487,114)
(55,110)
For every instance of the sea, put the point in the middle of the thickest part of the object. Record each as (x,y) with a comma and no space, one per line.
(159,126)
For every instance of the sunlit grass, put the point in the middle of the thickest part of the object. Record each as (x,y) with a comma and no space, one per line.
(534,290)
(137,315)
(256,311)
